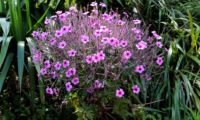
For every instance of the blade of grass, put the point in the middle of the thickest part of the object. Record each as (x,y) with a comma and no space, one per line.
(194,42)
(20,58)
(195,59)
(5,69)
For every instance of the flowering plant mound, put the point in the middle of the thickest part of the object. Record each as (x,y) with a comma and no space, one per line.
(97,55)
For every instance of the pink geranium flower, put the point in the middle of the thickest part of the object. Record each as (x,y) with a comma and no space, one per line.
(68,86)
(127,55)
(141,45)
(136,89)
(119,93)
(62,45)
(49,91)
(75,80)
(139,69)
(72,53)
(159,60)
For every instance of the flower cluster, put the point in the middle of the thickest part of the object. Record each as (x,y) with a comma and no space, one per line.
(94,50)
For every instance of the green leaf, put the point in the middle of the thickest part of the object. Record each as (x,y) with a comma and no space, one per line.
(54,3)
(194,41)
(16,19)
(20,60)
(4,49)
(195,59)
(120,2)
(40,20)
(31,81)
(5,69)
(28,15)
(179,62)
(5,25)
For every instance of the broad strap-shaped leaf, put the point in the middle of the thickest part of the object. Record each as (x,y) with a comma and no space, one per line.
(5,25)
(16,19)
(4,49)
(20,60)
(5,69)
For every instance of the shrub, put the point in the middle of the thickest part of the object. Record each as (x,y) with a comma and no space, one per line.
(103,59)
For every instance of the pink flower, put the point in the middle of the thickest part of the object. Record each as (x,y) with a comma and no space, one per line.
(119,93)
(112,41)
(97,84)
(120,22)
(141,45)
(58,12)
(43,71)
(137,21)
(66,63)
(104,29)
(95,58)
(105,40)
(62,17)
(90,90)
(47,64)
(101,55)
(75,80)
(43,35)
(73,9)
(72,53)
(84,39)
(97,33)
(89,59)
(159,44)
(159,60)
(62,45)
(53,74)
(158,37)
(57,66)
(70,72)
(56,90)
(37,57)
(58,33)
(49,91)
(136,89)
(103,5)
(52,41)
(139,69)
(35,34)
(68,86)
(66,29)
(94,4)
(136,31)
(123,43)
(47,21)
(127,55)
